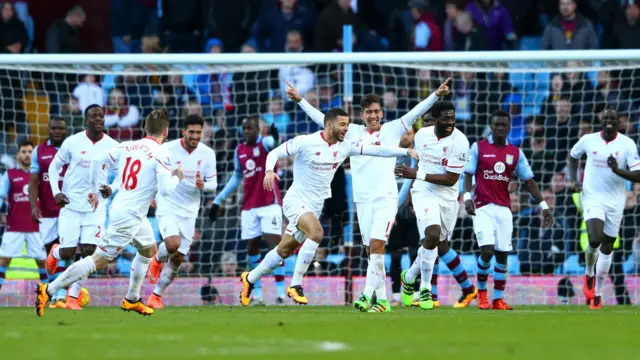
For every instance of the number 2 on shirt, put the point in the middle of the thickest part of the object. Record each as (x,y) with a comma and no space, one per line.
(130,174)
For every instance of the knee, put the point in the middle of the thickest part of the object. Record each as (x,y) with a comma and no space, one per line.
(100,261)
(67,253)
(443,248)
(486,252)
(177,259)
(316,234)
(502,257)
(432,237)
(376,247)
(172,243)
(284,251)
(606,248)
(253,246)
(87,250)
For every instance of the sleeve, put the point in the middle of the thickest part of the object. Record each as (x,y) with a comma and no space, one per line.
(458,156)
(316,115)
(290,148)
(406,122)
(422,35)
(268,142)
(99,164)
(35,165)
(633,160)
(523,169)
(406,186)
(4,186)
(472,163)
(578,149)
(210,174)
(372,150)
(233,182)
(63,157)
(166,182)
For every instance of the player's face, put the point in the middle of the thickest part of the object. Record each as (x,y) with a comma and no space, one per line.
(95,119)
(500,127)
(192,135)
(372,116)
(610,121)
(24,155)
(340,127)
(446,122)
(250,131)
(57,132)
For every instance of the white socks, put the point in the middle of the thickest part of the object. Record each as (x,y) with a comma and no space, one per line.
(168,274)
(56,253)
(590,259)
(376,277)
(75,272)
(305,257)
(271,261)
(139,268)
(427,262)
(76,287)
(414,270)
(162,255)
(602,270)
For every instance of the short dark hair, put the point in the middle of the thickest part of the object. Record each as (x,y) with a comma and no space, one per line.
(333,114)
(368,100)
(193,119)
(501,113)
(86,111)
(25,142)
(441,106)
(253,118)
(57,118)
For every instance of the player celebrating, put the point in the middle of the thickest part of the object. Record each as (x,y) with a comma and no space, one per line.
(492,161)
(376,200)
(177,212)
(44,209)
(20,226)
(78,223)
(144,168)
(609,153)
(317,156)
(442,153)
(261,211)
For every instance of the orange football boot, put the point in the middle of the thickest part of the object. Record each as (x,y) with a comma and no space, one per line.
(42,298)
(137,306)
(499,304)
(155,301)
(154,270)
(596,303)
(466,299)
(483,300)
(589,287)
(247,288)
(52,263)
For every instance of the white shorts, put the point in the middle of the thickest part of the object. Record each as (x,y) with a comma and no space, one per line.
(376,218)
(433,210)
(12,242)
(612,218)
(293,208)
(123,229)
(48,229)
(493,225)
(173,225)
(259,221)
(75,227)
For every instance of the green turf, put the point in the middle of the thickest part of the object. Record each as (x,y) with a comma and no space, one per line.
(322,332)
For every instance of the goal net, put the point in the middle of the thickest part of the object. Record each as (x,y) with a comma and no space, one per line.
(553,98)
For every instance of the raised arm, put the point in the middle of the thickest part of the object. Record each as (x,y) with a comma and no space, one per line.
(316,115)
(416,113)
(233,182)
(380,151)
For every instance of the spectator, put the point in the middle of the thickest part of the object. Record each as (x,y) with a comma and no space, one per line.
(271,32)
(301,77)
(561,131)
(473,38)
(558,87)
(390,102)
(229,264)
(130,21)
(330,22)
(607,91)
(88,92)
(250,89)
(13,34)
(228,20)
(275,114)
(182,24)
(513,105)
(569,30)
(326,94)
(450,33)
(581,91)
(70,111)
(215,88)
(119,116)
(426,33)
(625,32)
(63,37)
(496,20)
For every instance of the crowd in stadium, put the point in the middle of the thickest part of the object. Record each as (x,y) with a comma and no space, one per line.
(550,111)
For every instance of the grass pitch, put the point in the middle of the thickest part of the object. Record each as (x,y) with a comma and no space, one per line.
(322,333)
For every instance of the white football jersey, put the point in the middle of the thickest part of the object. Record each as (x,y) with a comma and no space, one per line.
(185,200)
(600,184)
(439,156)
(316,162)
(144,168)
(77,151)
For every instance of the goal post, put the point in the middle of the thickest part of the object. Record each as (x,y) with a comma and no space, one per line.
(553,96)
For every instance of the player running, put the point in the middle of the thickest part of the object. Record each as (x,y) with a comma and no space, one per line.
(20,227)
(177,212)
(374,184)
(316,158)
(261,215)
(144,169)
(442,153)
(78,223)
(609,154)
(492,161)
(44,209)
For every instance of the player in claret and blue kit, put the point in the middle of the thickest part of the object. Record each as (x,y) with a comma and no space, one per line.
(261,215)
(492,162)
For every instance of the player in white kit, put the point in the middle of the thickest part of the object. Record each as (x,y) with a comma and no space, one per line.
(316,159)
(609,154)
(442,151)
(78,223)
(177,212)
(144,168)
(374,183)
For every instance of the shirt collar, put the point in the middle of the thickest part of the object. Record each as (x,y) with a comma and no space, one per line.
(490,138)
